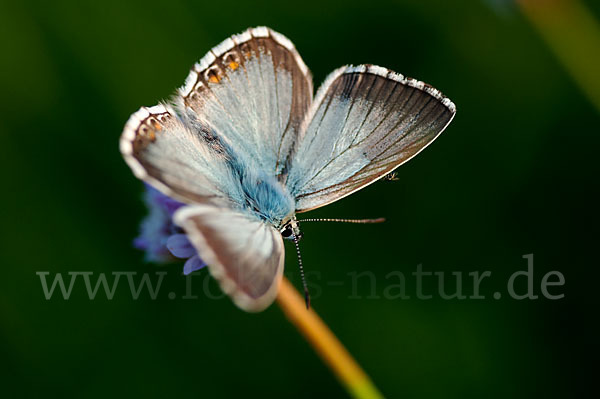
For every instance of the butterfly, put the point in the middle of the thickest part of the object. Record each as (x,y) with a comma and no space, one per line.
(246,146)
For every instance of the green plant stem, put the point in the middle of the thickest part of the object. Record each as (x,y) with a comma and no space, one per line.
(328,347)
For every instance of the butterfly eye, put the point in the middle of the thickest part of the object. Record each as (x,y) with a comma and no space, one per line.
(287,231)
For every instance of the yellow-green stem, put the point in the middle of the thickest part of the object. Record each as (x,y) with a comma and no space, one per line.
(328,347)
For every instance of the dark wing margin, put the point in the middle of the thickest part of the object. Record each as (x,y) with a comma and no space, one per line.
(365,122)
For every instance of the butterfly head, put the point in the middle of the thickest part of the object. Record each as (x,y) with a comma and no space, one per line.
(291,230)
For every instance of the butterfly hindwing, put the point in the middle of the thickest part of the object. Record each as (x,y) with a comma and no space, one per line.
(254,90)
(243,253)
(365,122)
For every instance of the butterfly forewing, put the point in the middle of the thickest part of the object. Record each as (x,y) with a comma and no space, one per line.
(179,161)
(243,253)
(365,122)
(254,90)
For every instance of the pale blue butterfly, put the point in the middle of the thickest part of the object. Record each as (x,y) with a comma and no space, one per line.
(246,146)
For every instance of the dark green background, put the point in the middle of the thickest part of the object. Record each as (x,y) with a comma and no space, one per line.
(515,173)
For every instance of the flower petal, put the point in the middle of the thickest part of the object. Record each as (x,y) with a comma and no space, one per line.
(157,199)
(158,226)
(180,246)
(141,243)
(194,263)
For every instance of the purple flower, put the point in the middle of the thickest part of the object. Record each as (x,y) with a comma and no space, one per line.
(160,238)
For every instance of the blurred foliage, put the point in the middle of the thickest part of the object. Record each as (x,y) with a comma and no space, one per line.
(573,34)
(515,173)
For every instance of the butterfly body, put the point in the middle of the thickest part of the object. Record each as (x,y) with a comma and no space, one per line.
(269,200)
(257,192)
(246,145)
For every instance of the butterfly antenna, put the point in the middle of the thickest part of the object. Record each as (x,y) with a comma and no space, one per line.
(306,294)
(361,221)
